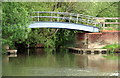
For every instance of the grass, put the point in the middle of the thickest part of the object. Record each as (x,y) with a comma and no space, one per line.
(112,47)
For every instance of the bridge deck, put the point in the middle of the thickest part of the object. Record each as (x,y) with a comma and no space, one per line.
(64,25)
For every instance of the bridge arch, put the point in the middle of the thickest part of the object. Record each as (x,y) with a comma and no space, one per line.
(76,25)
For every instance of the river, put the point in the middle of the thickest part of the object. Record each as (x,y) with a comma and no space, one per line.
(60,62)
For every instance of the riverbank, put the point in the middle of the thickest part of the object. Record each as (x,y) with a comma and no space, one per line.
(112,47)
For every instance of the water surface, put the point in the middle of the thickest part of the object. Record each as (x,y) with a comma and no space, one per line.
(60,62)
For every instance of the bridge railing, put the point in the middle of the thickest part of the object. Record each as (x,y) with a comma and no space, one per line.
(73,18)
(63,17)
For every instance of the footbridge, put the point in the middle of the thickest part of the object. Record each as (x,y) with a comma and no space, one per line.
(43,19)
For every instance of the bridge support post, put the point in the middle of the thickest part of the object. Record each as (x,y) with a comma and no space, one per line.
(38,16)
(70,18)
(77,18)
(57,18)
(51,17)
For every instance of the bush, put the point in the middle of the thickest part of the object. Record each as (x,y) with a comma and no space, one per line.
(112,47)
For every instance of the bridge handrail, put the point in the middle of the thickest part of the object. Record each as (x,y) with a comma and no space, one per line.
(66,13)
(74,18)
(67,18)
(70,17)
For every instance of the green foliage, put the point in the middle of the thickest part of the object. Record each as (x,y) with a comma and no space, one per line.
(16,20)
(112,47)
(15,23)
(45,36)
(102,9)
(49,37)
(14,13)
(99,9)
(65,36)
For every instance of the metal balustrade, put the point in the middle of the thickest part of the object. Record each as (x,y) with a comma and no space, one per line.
(68,17)
(43,19)
(72,18)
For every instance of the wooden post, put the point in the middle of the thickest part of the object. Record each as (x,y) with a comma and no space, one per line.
(103,25)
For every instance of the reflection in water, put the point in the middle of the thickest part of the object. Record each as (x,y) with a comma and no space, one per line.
(97,62)
(49,62)
(7,58)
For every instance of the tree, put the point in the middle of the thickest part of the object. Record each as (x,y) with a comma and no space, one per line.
(15,20)
(15,23)
(50,37)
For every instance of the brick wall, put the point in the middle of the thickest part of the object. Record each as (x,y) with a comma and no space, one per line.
(104,38)
(93,37)
(110,37)
(80,40)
